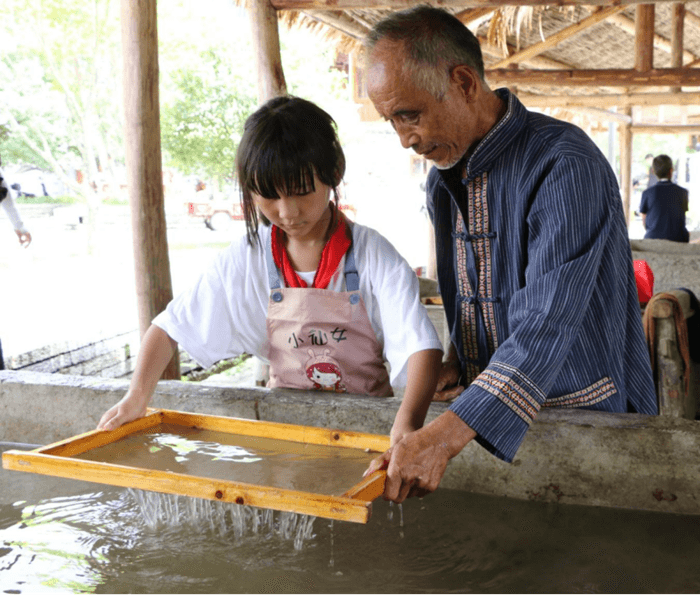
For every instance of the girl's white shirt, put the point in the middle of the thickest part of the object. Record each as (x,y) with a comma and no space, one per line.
(224,313)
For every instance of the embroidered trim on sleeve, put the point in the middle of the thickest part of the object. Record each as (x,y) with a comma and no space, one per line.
(515,391)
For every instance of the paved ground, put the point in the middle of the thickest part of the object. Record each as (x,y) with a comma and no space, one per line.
(54,291)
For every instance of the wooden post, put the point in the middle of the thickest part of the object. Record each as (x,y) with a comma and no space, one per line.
(626,166)
(644,38)
(266,44)
(677,22)
(143,163)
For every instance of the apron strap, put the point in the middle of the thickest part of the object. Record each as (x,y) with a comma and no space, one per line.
(272,273)
(352,277)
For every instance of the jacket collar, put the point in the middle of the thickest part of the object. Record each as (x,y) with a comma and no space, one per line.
(494,143)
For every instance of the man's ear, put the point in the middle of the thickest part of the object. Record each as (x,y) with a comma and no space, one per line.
(467,80)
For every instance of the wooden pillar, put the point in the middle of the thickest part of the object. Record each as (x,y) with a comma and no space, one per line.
(266,44)
(143,163)
(677,22)
(626,166)
(644,37)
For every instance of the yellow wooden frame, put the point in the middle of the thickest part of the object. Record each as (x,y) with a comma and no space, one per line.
(355,505)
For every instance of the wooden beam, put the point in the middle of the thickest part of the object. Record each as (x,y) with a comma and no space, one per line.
(627,25)
(345,26)
(538,62)
(473,14)
(459,4)
(644,38)
(666,128)
(594,113)
(622,100)
(692,18)
(143,163)
(558,37)
(266,44)
(613,77)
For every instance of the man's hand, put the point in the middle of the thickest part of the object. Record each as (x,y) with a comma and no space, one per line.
(25,238)
(447,387)
(416,464)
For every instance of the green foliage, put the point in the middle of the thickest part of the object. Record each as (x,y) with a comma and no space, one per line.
(62,108)
(202,125)
(50,200)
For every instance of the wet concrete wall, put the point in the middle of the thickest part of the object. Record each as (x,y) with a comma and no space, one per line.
(572,457)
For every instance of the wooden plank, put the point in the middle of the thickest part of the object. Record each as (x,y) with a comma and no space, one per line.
(558,37)
(644,38)
(459,4)
(279,431)
(343,508)
(612,77)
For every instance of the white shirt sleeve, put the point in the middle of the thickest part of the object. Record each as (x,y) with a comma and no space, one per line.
(392,296)
(8,204)
(224,313)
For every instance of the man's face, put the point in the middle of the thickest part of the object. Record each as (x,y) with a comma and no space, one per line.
(438,130)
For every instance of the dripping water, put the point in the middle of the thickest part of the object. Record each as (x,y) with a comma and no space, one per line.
(222,518)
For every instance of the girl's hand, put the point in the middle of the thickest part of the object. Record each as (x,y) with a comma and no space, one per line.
(128,409)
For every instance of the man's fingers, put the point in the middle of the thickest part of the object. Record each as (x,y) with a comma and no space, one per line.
(447,394)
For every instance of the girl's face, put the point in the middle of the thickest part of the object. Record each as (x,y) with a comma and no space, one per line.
(303,216)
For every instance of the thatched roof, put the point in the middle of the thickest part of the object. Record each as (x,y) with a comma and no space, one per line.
(607,43)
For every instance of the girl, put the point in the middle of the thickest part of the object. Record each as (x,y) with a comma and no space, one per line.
(324,301)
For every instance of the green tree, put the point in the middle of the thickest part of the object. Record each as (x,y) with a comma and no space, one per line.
(202,122)
(62,108)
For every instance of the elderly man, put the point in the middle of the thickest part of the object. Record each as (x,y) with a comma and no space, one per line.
(534,263)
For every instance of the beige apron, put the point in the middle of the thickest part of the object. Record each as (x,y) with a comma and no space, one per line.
(321,339)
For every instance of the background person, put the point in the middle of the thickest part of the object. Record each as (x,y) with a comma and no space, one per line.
(664,205)
(7,202)
(534,263)
(324,301)
(25,238)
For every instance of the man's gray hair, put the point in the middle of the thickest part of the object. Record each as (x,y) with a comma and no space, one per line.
(435,42)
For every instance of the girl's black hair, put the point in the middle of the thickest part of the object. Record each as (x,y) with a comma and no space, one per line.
(285,142)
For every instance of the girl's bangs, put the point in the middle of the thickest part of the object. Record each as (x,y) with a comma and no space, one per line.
(269,177)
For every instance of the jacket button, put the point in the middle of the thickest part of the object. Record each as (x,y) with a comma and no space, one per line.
(354,298)
(277,296)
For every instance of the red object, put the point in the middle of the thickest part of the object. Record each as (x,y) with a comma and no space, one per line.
(645,280)
(333,252)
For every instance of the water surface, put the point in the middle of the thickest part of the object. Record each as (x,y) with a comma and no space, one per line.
(63,536)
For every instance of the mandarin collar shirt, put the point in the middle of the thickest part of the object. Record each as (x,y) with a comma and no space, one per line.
(536,276)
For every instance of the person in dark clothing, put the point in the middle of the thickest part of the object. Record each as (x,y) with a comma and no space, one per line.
(664,205)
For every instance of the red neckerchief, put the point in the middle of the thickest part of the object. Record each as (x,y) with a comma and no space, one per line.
(334,250)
